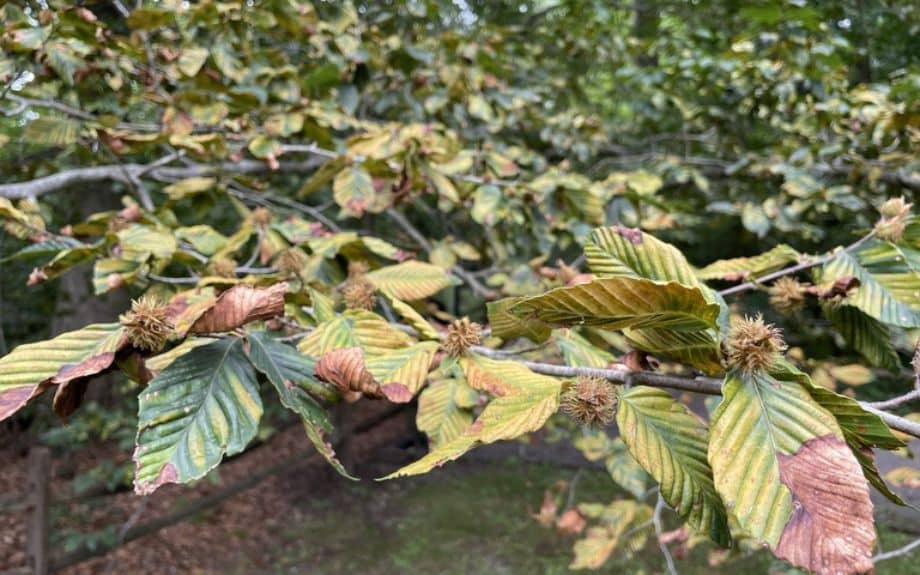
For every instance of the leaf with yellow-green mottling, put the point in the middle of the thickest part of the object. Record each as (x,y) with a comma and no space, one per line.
(408,366)
(354,328)
(444,409)
(203,406)
(671,443)
(526,402)
(414,319)
(410,280)
(26,371)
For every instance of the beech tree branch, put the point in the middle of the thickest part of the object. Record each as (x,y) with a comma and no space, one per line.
(124,172)
(802,266)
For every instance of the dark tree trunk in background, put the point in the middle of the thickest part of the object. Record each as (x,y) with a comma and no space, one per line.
(646,29)
(77,305)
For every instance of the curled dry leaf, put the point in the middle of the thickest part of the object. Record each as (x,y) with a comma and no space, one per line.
(347,370)
(240,305)
(831,530)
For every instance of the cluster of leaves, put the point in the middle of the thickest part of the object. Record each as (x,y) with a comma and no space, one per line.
(436,146)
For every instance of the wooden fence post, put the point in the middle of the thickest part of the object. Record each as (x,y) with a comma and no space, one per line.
(39,475)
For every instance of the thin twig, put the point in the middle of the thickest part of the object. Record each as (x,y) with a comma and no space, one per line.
(895,401)
(900,552)
(656,521)
(802,266)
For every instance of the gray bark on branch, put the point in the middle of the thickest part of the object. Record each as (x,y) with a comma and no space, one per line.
(125,172)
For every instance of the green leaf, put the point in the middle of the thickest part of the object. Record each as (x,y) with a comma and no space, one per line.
(408,366)
(224,56)
(150,18)
(52,131)
(203,406)
(886,298)
(415,319)
(292,375)
(622,251)
(355,328)
(526,402)
(508,326)
(870,337)
(44,249)
(862,429)
(699,349)
(444,409)
(579,352)
(760,420)
(750,268)
(621,302)
(671,444)
(139,243)
(411,280)
(31,368)
(203,238)
(353,190)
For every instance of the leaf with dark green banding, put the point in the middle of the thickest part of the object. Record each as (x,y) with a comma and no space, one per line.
(508,326)
(870,337)
(751,267)
(889,298)
(203,406)
(671,444)
(360,328)
(31,368)
(862,430)
(783,469)
(408,366)
(292,375)
(622,302)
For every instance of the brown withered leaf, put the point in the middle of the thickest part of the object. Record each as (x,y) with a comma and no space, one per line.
(240,305)
(831,531)
(186,307)
(345,368)
(571,522)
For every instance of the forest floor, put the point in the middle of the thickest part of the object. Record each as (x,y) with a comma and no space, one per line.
(471,516)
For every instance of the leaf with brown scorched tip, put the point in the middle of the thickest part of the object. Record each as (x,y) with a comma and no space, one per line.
(203,406)
(408,366)
(862,429)
(30,368)
(761,425)
(831,530)
(186,307)
(240,305)
(531,399)
(347,370)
